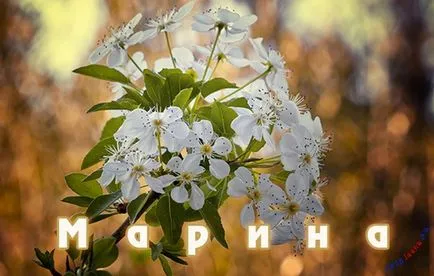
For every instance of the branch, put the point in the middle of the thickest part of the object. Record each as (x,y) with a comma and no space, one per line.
(120,232)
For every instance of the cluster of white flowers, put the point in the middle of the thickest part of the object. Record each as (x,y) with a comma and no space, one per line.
(168,152)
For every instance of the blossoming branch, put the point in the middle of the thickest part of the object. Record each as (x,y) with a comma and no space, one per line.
(185,139)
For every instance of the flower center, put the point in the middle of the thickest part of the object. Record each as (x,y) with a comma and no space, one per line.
(137,170)
(186,177)
(293,208)
(253,194)
(206,149)
(290,208)
(157,122)
(307,159)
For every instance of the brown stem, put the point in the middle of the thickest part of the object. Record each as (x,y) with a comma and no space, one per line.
(120,232)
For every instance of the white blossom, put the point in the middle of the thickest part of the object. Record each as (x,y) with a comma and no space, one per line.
(147,125)
(128,172)
(286,212)
(188,171)
(203,141)
(116,44)
(168,22)
(315,128)
(234,27)
(225,52)
(184,61)
(299,152)
(259,193)
(270,60)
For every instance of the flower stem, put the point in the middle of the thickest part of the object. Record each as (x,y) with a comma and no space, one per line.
(212,52)
(170,49)
(196,100)
(132,60)
(263,74)
(215,67)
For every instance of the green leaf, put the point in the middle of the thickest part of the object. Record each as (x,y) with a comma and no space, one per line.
(105,252)
(221,117)
(156,250)
(166,72)
(82,201)
(102,72)
(111,127)
(171,217)
(93,176)
(165,264)
(137,97)
(215,85)
(213,220)
(101,217)
(97,153)
(154,85)
(135,206)
(280,178)
(101,203)
(238,102)
(123,103)
(183,98)
(256,145)
(192,215)
(173,84)
(151,217)
(174,257)
(88,189)
(177,248)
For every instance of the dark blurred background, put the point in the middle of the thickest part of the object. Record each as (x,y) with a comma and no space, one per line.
(364,66)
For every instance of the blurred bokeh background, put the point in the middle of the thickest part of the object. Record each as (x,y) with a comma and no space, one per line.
(364,66)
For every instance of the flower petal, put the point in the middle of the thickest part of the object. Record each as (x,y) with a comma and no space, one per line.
(204,19)
(179,194)
(162,63)
(116,57)
(312,205)
(247,215)
(259,49)
(237,187)
(174,164)
(289,114)
(219,168)
(100,52)
(149,34)
(297,186)
(197,198)
(130,188)
(282,234)
(183,57)
(199,27)
(245,175)
(204,130)
(227,16)
(155,184)
(245,21)
(179,130)
(167,179)
(243,126)
(183,11)
(222,146)
(191,163)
